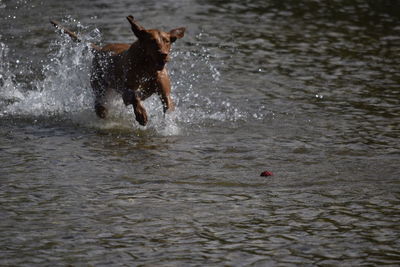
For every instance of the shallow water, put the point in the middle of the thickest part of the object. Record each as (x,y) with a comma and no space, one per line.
(306,89)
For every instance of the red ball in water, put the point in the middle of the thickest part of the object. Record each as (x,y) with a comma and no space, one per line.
(266,173)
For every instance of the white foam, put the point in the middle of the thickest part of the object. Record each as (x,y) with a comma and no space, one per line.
(65,91)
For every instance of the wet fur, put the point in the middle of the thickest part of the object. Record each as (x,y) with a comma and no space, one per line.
(136,71)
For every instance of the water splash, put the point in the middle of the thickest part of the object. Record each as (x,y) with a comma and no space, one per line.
(63,90)
(10,92)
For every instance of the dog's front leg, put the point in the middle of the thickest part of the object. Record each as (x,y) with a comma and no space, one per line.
(164,91)
(132,97)
(140,112)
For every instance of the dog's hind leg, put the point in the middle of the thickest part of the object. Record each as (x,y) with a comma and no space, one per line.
(99,100)
(101,110)
(100,104)
(99,85)
(99,107)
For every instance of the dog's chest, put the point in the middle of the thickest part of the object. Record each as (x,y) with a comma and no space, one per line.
(137,79)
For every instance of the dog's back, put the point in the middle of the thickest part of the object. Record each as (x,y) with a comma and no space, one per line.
(115,48)
(135,71)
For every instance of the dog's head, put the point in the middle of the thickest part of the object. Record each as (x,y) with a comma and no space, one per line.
(156,43)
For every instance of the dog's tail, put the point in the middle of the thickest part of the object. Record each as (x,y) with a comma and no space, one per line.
(71,34)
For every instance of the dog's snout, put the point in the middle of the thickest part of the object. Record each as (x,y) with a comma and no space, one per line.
(164,55)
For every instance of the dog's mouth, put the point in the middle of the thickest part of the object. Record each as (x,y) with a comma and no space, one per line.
(160,61)
(160,64)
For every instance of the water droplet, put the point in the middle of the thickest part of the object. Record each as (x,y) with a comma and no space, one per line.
(319,96)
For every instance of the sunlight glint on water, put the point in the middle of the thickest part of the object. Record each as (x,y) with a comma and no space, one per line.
(186,190)
(65,91)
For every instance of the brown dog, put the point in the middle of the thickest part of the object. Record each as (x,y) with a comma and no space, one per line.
(135,71)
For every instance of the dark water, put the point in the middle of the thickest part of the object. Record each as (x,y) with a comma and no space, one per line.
(309,90)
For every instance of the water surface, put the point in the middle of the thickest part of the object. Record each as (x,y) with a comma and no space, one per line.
(306,89)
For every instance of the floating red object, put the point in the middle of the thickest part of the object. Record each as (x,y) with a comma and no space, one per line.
(266,173)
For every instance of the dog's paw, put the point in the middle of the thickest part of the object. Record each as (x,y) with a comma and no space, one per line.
(101,111)
(168,108)
(141,115)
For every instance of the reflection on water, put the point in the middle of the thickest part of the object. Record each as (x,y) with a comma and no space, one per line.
(306,89)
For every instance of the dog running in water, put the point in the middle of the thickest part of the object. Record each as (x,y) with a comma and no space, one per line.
(136,71)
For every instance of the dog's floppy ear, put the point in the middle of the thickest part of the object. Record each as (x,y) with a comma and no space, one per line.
(177,33)
(136,28)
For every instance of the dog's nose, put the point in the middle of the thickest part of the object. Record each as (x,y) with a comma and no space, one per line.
(164,55)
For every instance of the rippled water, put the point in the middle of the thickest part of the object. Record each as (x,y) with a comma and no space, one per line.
(309,90)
